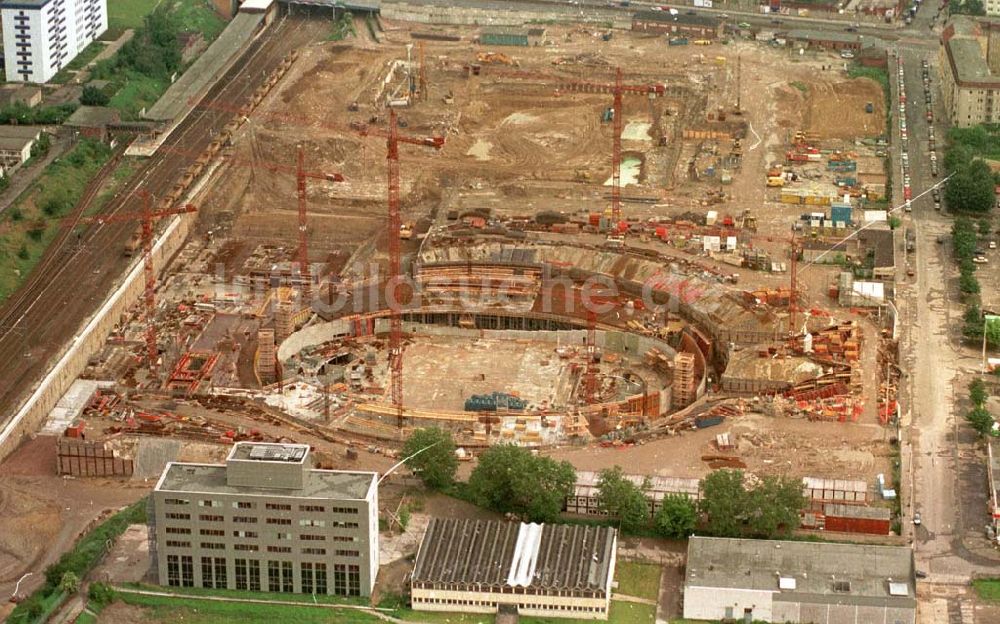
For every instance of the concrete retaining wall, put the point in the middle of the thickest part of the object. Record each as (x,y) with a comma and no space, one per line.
(90,340)
(496,17)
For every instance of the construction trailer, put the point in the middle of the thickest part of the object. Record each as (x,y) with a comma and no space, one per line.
(504,36)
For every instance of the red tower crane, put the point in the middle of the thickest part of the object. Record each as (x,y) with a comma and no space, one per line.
(618,89)
(301,175)
(300,178)
(393,139)
(148,217)
(590,373)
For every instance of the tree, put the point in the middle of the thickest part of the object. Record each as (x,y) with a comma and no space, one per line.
(972,328)
(968,284)
(768,509)
(69,583)
(970,189)
(985,227)
(980,419)
(724,501)
(435,466)
(775,504)
(677,517)
(22,253)
(92,96)
(622,499)
(963,238)
(977,392)
(100,594)
(509,479)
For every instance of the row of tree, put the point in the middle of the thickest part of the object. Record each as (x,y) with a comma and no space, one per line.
(979,417)
(970,189)
(512,480)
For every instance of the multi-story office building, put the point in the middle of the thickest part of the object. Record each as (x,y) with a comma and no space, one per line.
(266,521)
(970,70)
(41,36)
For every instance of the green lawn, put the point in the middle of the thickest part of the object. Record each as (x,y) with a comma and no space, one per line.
(137,92)
(242,595)
(198,611)
(641,580)
(199,15)
(78,62)
(124,14)
(988,589)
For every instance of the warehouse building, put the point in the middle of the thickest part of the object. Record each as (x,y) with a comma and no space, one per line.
(40,37)
(16,143)
(798,582)
(266,521)
(542,570)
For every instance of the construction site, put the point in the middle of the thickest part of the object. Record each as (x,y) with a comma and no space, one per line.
(595,243)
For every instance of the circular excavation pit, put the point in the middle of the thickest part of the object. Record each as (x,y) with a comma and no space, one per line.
(539,384)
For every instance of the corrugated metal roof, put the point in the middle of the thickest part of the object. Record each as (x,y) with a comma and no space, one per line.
(508,554)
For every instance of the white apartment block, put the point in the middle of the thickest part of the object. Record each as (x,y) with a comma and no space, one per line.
(992,8)
(41,36)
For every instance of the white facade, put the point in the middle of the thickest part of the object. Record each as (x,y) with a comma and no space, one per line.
(992,8)
(41,36)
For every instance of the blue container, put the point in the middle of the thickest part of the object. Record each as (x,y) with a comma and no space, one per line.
(840,212)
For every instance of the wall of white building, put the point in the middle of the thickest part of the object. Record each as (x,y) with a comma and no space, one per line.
(51,34)
(709,603)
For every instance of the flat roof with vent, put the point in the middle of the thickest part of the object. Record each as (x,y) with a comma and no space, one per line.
(286,453)
(805,571)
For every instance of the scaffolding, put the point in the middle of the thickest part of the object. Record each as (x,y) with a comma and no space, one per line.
(683,388)
(265,354)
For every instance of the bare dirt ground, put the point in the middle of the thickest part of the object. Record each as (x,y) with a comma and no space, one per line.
(767,445)
(42,514)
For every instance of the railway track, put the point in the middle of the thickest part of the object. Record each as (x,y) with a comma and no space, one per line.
(77,272)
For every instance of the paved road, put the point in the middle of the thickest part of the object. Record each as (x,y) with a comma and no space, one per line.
(945,479)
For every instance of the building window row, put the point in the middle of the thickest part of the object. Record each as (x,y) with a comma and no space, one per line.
(209,503)
(210,518)
(344,510)
(212,532)
(279,577)
(313,577)
(249,534)
(213,546)
(279,549)
(245,519)
(523,606)
(178,531)
(282,521)
(314,551)
(312,508)
(180,571)
(213,573)
(347,553)
(277,507)
(248,574)
(177,544)
(178,516)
